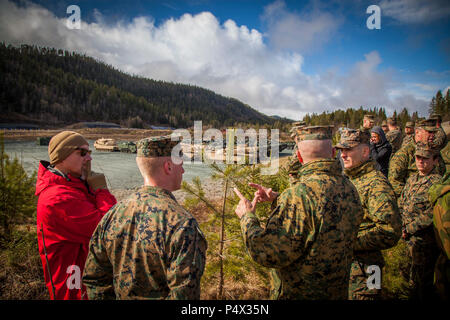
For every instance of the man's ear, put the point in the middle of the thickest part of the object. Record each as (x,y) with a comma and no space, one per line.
(299,156)
(167,167)
(366,150)
(436,161)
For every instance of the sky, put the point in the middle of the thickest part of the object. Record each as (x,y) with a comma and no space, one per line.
(285,58)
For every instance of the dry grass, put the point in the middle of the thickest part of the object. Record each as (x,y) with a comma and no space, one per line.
(21,274)
(253,288)
(250,286)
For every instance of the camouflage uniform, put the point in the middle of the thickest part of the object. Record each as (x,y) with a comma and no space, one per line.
(395,139)
(440,138)
(147,246)
(381,225)
(403,163)
(439,196)
(371,118)
(309,236)
(294,164)
(407,138)
(417,216)
(445,154)
(440,141)
(394,136)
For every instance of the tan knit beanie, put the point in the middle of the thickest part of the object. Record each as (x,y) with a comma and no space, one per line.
(63,144)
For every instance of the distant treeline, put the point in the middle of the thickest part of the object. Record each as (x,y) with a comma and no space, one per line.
(54,87)
(57,87)
(353,118)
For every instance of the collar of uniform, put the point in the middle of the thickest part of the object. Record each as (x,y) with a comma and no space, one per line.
(323,165)
(53,170)
(158,191)
(434,171)
(418,180)
(360,170)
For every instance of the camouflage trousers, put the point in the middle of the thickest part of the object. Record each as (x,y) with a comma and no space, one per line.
(422,256)
(358,288)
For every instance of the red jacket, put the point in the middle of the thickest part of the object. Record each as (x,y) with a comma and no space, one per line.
(68,213)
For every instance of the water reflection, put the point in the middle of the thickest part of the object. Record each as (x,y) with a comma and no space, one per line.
(119,168)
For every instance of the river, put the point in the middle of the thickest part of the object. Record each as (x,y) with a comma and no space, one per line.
(119,168)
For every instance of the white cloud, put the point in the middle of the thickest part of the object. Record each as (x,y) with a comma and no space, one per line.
(304,33)
(425,87)
(231,60)
(415,11)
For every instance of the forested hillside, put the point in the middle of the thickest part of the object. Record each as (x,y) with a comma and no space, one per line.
(54,87)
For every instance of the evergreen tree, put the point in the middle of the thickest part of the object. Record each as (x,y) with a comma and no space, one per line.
(17,199)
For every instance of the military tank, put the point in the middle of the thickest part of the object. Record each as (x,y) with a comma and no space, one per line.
(127,146)
(43,141)
(106,144)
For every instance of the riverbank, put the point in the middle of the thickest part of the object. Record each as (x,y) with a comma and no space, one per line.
(88,133)
(213,191)
(213,188)
(130,134)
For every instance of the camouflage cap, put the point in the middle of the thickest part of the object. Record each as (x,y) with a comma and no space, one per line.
(409,124)
(425,150)
(158,146)
(427,124)
(315,133)
(370,117)
(295,126)
(435,116)
(392,121)
(353,137)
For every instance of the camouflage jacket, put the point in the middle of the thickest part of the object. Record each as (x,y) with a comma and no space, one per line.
(365,129)
(445,154)
(146,247)
(403,165)
(440,139)
(395,139)
(310,234)
(439,196)
(381,225)
(293,165)
(407,139)
(416,209)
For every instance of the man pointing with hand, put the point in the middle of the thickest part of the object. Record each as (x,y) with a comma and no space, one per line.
(308,239)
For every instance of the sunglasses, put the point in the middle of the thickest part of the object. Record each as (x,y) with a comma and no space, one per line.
(84,152)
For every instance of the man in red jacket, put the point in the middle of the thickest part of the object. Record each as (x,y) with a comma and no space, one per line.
(72,201)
